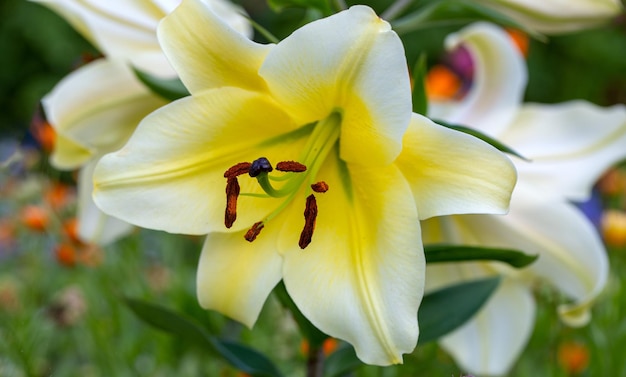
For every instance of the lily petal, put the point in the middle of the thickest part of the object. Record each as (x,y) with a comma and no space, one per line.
(180,188)
(235,277)
(95,109)
(571,255)
(491,342)
(498,85)
(119,28)
(68,154)
(551,16)
(195,40)
(94,226)
(570,144)
(351,63)
(451,172)
(365,262)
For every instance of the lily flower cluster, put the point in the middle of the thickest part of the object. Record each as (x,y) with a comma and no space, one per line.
(567,146)
(330,108)
(302,161)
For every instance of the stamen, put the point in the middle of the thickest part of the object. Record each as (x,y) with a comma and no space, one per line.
(310,214)
(259,166)
(320,186)
(232,192)
(290,166)
(239,169)
(254,231)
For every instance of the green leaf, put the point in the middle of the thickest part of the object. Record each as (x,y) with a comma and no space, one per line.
(341,362)
(446,309)
(314,336)
(244,358)
(454,12)
(321,5)
(438,253)
(420,99)
(170,89)
(487,139)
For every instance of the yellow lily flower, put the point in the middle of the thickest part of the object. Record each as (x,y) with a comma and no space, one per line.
(95,109)
(302,161)
(556,16)
(569,146)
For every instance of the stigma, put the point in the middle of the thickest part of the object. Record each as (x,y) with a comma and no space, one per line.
(260,169)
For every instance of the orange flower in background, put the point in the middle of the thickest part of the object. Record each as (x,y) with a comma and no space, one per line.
(58,195)
(70,229)
(520,39)
(442,83)
(329,346)
(35,217)
(613,182)
(66,254)
(614,227)
(573,357)
(43,132)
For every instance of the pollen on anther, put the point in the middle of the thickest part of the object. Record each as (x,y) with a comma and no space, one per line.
(320,186)
(253,232)
(238,169)
(232,193)
(310,215)
(290,166)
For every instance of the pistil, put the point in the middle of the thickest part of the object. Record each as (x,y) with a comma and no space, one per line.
(321,141)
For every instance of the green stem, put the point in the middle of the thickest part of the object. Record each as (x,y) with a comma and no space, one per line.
(315,362)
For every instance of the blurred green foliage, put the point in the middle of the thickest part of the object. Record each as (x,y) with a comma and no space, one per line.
(37,49)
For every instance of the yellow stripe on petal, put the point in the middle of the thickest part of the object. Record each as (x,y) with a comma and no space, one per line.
(170,175)
(361,277)
(351,63)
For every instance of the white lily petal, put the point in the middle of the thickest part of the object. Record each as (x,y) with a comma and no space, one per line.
(498,85)
(451,172)
(570,144)
(94,226)
(361,277)
(235,277)
(490,342)
(196,40)
(97,107)
(121,29)
(557,16)
(181,188)
(571,255)
(351,63)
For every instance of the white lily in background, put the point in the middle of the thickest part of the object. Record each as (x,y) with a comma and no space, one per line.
(330,106)
(95,109)
(557,16)
(570,145)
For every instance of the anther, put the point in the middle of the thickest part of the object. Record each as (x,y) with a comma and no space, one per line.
(290,166)
(320,186)
(259,166)
(239,169)
(310,214)
(232,192)
(254,231)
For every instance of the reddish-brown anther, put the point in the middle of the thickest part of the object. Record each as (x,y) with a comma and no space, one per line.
(310,214)
(320,186)
(290,166)
(232,193)
(254,231)
(238,169)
